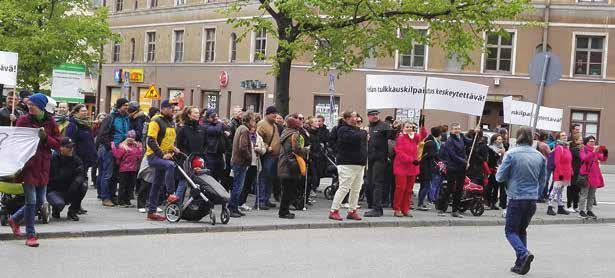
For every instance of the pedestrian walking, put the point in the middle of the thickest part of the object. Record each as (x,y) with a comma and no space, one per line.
(35,173)
(406,167)
(562,175)
(591,178)
(524,169)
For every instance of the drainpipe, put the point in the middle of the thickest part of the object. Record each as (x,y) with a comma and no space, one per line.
(545,29)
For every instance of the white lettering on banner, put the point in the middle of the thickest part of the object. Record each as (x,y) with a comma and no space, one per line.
(8,68)
(394,91)
(17,146)
(456,96)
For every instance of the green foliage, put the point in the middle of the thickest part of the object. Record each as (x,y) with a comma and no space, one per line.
(47,33)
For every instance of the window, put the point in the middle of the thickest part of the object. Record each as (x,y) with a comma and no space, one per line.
(589,55)
(322,106)
(499,52)
(153,3)
(210,45)
(588,120)
(136,4)
(119,5)
(211,100)
(260,45)
(180,2)
(116,52)
(151,47)
(178,53)
(233,48)
(132,49)
(593,1)
(416,57)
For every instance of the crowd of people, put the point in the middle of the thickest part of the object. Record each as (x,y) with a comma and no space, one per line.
(280,159)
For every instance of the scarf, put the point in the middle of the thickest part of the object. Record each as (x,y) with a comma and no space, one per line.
(497,147)
(83,122)
(60,119)
(253,137)
(563,143)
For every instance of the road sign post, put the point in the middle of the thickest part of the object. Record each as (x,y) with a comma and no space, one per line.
(545,70)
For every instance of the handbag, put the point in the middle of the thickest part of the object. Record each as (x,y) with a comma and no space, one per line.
(301,163)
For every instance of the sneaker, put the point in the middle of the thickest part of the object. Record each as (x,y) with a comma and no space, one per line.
(14,227)
(551,211)
(373,213)
(582,214)
(504,213)
(456,215)
(335,215)
(423,208)
(353,215)
(561,210)
(441,213)
(155,217)
(108,203)
(245,207)
(159,210)
(526,263)
(591,215)
(172,199)
(142,210)
(32,241)
(127,205)
(82,211)
(571,210)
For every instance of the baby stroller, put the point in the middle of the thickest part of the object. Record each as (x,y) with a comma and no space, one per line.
(472,198)
(331,171)
(11,199)
(203,192)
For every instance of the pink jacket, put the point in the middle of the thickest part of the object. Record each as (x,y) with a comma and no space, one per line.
(563,164)
(406,152)
(129,159)
(591,166)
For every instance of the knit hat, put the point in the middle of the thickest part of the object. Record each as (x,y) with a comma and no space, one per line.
(131,134)
(271,110)
(24,94)
(39,100)
(293,122)
(120,102)
(133,106)
(210,113)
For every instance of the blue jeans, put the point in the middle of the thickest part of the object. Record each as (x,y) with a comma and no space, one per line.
(181,189)
(239,176)
(164,175)
(35,197)
(519,213)
(270,164)
(105,173)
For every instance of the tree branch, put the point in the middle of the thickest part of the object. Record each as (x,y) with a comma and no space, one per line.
(274,14)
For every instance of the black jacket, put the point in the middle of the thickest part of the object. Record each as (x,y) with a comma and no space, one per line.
(137,123)
(429,159)
(379,135)
(5,115)
(351,145)
(323,132)
(479,155)
(191,138)
(315,147)
(214,136)
(66,173)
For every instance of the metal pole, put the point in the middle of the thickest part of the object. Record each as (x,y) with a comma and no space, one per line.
(424,99)
(541,90)
(473,142)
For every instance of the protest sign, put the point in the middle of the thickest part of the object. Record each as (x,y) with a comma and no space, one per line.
(17,146)
(550,119)
(69,83)
(456,96)
(8,68)
(518,112)
(394,91)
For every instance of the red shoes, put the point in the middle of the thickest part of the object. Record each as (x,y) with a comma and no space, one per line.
(335,215)
(353,215)
(15,227)
(172,198)
(32,241)
(156,217)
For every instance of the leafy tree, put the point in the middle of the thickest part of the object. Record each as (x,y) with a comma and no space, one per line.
(47,33)
(341,34)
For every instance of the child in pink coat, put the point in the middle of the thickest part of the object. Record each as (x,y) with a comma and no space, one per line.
(128,155)
(591,155)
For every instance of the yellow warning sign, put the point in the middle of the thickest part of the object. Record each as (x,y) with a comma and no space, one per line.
(152,93)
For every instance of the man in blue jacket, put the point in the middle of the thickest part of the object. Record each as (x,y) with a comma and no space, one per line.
(525,171)
(453,154)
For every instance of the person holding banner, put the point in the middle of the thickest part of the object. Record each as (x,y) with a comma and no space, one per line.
(562,175)
(454,156)
(36,171)
(10,112)
(405,168)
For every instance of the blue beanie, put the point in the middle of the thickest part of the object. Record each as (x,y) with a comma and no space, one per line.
(39,100)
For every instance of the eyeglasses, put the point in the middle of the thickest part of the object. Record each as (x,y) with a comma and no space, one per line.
(300,118)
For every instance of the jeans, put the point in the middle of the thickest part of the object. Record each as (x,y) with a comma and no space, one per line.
(248,184)
(266,178)
(239,176)
(73,196)
(35,197)
(165,174)
(426,186)
(518,217)
(106,167)
(181,190)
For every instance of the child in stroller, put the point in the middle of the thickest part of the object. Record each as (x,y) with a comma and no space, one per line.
(200,196)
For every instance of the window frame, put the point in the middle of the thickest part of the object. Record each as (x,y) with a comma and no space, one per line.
(174,46)
(232,48)
(584,122)
(179,3)
(204,45)
(152,4)
(513,58)
(116,49)
(605,54)
(398,55)
(133,50)
(147,51)
(119,5)
(253,52)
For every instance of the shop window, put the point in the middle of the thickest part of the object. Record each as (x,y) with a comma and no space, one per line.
(253,102)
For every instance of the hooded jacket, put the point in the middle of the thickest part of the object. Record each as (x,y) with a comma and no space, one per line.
(591,166)
(129,158)
(36,170)
(563,163)
(291,144)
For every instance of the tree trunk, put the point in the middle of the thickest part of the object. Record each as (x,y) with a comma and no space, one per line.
(282,84)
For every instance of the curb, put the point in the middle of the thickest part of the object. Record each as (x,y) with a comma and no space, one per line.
(305,226)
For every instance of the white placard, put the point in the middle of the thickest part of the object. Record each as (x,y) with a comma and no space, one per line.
(8,68)
(456,96)
(518,112)
(17,146)
(69,83)
(394,91)
(550,119)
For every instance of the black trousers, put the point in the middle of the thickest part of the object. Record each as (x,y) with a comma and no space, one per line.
(573,192)
(248,185)
(143,193)
(492,190)
(454,186)
(376,173)
(73,195)
(289,191)
(128,182)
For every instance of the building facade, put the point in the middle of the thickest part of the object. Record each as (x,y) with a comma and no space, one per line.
(182,47)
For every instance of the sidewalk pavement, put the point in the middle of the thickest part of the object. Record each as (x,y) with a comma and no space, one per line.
(103,221)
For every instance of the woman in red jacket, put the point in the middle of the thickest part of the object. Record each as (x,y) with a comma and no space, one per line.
(36,170)
(562,174)
(405,168)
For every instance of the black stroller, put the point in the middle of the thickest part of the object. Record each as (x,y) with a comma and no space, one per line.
(331,171)
(203,192)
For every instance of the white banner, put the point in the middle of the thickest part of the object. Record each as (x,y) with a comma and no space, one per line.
(550,119)
(8,68)
(518,112)
(394,91)
(17,146)
(69,83)
(456,96)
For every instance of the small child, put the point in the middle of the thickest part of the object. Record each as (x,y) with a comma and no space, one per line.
(128,155)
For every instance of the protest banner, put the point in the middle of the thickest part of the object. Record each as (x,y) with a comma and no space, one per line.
(518,112)
(17,146)
(456,96)
(394,91)
(8,68)
(550,119)
(69,83)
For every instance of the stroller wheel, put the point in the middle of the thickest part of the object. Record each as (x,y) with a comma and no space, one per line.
(173,212)
(329,192)
(477,208)
(45,213)
(212,217)
(4,219)
(225,215)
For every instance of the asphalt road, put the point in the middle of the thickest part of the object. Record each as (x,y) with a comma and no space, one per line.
(561,251)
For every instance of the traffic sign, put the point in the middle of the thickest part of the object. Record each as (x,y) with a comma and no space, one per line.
(152,93)
(223,79)
(331,81)
(553,70)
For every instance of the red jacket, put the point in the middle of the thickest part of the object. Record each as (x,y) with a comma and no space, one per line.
(563,164)
(406,154)
(36,171)
(590,166)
